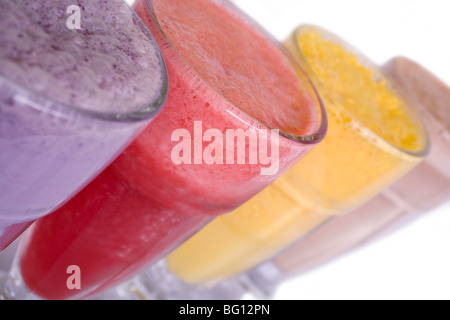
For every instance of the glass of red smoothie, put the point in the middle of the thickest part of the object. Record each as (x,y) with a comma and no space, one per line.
(240,112)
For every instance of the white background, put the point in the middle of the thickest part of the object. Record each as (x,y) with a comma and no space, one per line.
(413,263)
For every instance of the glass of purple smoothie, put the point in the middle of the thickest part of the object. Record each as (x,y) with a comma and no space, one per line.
(77,84)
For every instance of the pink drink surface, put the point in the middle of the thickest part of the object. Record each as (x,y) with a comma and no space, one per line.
(144,205)
(221,45)
(50,78)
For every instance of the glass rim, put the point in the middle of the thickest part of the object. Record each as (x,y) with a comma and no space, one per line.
(395,64)
(314,138)
(362,128)
(145,112)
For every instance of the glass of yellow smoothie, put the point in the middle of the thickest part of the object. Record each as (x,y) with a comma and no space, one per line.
(374,138)
(418,193)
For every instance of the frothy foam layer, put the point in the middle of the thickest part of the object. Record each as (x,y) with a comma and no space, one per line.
(361,90)
(109,65)
(240,62)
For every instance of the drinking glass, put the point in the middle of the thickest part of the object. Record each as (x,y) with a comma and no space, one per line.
(49,148)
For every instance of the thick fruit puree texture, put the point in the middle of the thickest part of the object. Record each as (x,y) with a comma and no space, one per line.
(384,111)
(349,167)
(99,67)
(144,205)
(237,62)
(52,81)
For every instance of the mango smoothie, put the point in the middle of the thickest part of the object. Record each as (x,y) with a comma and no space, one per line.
(374,138)
(425,188)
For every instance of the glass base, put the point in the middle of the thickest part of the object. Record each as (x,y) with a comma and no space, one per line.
(262,282)
(13,288)
(158,283)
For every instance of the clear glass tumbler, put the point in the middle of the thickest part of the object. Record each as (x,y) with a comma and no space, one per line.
(56,130)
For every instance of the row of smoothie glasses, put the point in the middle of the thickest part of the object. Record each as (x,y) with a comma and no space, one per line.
(423,189)
(165,182)
(226,261)
(222,261)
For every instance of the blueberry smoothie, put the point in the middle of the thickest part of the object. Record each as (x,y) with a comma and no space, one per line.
(71,99)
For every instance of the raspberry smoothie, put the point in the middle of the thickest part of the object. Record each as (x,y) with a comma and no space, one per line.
(70,100)
(225,73)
